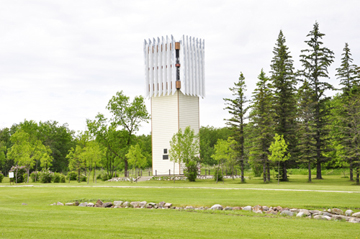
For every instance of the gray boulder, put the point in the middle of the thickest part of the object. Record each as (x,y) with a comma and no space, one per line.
(189,208)
(161,204)
(217,207)
(265,208)
(287,213)
(326,214)
(98,203)
(135,204)
(228,208)
(83,204)
(305,211)
(90,204)
(126,204)
(294,210)
(70,204)
(356,214)
(59,204)
(118,203)
(337,211)
(348,212)
(142,204)
(300,214)
(257,208)
(107,204)
(167,205)
(327,218)
(247,208)
(354,220)
(236,208)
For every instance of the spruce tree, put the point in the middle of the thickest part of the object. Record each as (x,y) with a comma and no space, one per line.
(351,130)
(261,119)
(284,82)
(315,61)
(236,107)
(306,141)
(347,74)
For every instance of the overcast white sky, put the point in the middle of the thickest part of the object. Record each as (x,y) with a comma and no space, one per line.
(63,60)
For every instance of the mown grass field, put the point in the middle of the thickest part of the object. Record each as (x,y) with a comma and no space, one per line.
(39,220)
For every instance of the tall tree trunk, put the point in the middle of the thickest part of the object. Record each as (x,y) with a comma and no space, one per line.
(284,172)
(264,171)
(126,168)
(242,171)
(28,172)
(351,171)
(357,175)
(309,167)
(318,169)
(268,171)
(79,175)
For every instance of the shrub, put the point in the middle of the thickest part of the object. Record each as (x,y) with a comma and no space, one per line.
(104,177)
(1,177)
(83,178)
(99,176)
(25,177)
(191,171)
(56,178)
(218,175)
(18,173)
(72,175)
(35,176)
(62,178)
(46,176)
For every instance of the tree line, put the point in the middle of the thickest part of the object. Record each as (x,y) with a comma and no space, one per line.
(294,104)
(288,109)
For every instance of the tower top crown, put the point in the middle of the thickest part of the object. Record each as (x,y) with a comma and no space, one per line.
(169,62)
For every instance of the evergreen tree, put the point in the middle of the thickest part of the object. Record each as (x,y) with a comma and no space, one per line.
(283,82)
(349,78)
(306,142)
(315,62)
(261,119)
(236,107)
(352,130)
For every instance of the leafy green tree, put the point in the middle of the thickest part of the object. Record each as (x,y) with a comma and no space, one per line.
(26,151)
(184,149)
(261,120)
(284,96)
(315,61)
(278,151)
(208,138)
(306,130)
(225,153)
(136,159)
(2,155)
(92,155)
(237,108)
(126,115)
(144,142)
(76,161)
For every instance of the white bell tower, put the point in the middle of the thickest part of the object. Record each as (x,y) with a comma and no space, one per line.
(175,79)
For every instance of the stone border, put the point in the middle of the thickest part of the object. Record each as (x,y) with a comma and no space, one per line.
(330,214)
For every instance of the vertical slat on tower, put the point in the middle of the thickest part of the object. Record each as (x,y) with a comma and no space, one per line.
(168,63)
(203,68)
(146,62)
(183,65)
(173,71)
(163,71)
(151,65)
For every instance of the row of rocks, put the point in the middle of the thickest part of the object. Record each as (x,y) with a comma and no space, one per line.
(330,214)
(123,179)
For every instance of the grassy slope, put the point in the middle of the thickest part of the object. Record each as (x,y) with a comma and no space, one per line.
(38,220)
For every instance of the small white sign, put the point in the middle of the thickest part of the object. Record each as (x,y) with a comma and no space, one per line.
(11,174)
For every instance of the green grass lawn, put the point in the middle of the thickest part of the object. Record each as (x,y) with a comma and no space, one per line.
(39,220)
